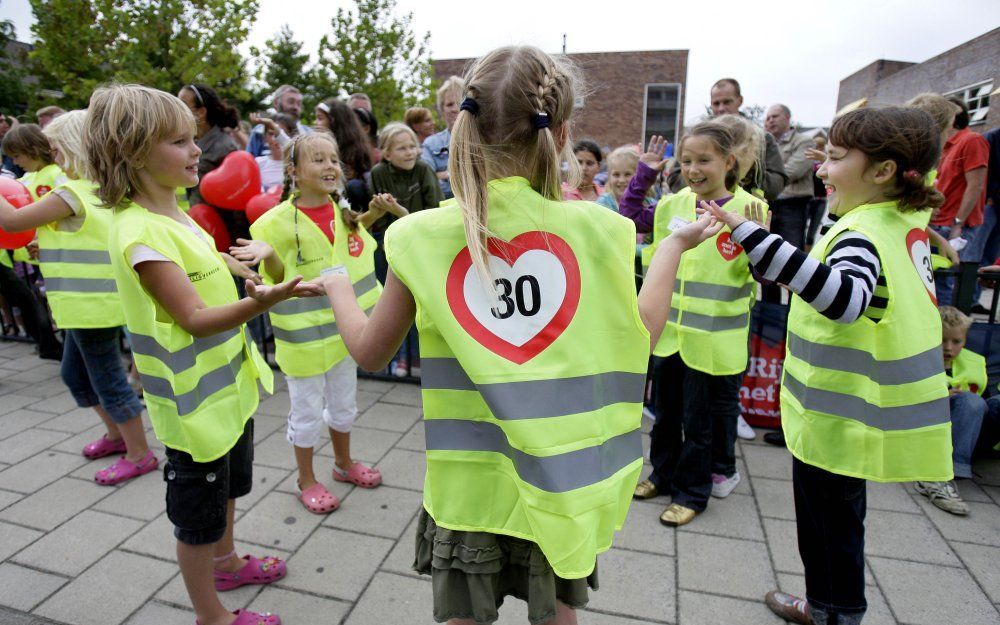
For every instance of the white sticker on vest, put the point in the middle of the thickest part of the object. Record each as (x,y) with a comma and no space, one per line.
(677,223)
(533,295)
(919,248)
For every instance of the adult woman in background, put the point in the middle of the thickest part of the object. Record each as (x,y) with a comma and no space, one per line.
(421,121)
(435,147)
(355,150)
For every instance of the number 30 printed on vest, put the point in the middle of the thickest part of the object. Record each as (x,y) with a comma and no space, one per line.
(531,298)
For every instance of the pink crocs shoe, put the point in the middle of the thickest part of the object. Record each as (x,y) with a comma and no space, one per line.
(256,571)
(246,617)
(103,447)
(123,470)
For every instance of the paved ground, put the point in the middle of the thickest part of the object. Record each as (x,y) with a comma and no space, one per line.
(78,553)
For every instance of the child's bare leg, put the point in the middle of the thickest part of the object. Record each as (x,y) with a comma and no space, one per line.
(134,434)
(113,432)
(341,449)
(304,460)
(565,615)
(226,546)
(196,569)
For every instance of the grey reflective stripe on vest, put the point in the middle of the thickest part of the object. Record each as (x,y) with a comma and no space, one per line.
(83,257)
(709,323)
(306,334)
(537,399)
(80,285)
(555,474)
(209,384)
(902,371)
(184,358)
(934,412)
(298,305)
(717,292)
(365,284)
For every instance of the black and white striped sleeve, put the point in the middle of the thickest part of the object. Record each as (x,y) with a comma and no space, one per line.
(840,290)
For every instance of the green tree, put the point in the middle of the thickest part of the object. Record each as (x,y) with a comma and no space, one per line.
(161,43)
(281,62)
(374,51)
(13,92)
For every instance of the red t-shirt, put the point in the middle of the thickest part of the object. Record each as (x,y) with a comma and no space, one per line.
(321,216)
(962,153)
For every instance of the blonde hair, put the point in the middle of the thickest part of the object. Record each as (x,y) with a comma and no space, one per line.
(453,85)
(123,125)
(387,136)
(628,155)
(748,142)
(511,87)
(65,133)
(937,106)
(952,317)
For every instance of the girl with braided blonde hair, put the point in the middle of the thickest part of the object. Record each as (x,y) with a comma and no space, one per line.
(533,348)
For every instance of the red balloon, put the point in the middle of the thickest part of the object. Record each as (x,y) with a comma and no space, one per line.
(17,194)
(233,182)
(260,204)
(208,218)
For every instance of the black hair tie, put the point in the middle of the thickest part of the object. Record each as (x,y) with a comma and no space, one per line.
(468,104)
(541,120)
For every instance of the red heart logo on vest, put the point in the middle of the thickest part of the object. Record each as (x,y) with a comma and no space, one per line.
(355,245)
(919,247)
(727,247)
(41,190)
(533,298)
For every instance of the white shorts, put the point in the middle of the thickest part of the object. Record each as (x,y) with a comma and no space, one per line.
(330,398)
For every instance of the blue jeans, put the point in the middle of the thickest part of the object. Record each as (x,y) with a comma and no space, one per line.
(967,412)
(92,369)
(975,237)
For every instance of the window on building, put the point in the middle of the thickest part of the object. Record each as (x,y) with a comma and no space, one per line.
(977,98)
(662,111)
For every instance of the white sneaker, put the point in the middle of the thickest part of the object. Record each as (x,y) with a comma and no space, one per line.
(743,429)
(944,495)
(722,486)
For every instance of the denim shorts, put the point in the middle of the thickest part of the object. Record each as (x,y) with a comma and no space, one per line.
(92,369)
(198,492)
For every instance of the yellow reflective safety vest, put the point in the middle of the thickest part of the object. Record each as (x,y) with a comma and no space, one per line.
(709,320)
(307,341)
(199,392)
(867,399)
(533,380)
(79,281)
(968,372)
(40,182)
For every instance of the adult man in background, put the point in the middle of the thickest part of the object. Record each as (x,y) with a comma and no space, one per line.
(962,180)
(286,99)
(46,114)
(788,212)
(770,178)
(360,101)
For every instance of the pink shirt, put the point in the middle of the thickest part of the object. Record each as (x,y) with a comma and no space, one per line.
(571,193)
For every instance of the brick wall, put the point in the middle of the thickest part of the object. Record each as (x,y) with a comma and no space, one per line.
(895,82)
(612,114)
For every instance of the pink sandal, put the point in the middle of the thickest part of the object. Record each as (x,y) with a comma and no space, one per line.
(318,500)
(359,475)
(123,470)
(256,571)
(103,447)
(246,617)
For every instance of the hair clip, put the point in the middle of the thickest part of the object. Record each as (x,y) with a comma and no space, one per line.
(541,120)
(468,104)
(911,174)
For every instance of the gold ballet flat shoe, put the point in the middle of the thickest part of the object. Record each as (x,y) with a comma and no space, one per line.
(645,490)
(677,515)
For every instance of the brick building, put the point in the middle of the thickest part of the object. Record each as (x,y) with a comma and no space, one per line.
(632,95)
(971,70)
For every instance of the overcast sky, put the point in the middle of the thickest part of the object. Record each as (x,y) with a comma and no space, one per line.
(794,52)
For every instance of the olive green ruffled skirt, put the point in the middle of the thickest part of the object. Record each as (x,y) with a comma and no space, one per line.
(472,572)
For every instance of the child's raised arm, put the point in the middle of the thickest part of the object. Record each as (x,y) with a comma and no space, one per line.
(170,287)
(372,342)
(253,251)
(45,211)
(632,203)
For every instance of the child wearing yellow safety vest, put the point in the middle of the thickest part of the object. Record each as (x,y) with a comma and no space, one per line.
(864,394)
(307,233)
(533,351)
(72,231)
(702,352)
(29,148)
(189,338)
(966,371)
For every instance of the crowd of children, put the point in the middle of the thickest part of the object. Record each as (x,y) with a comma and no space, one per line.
(534,343)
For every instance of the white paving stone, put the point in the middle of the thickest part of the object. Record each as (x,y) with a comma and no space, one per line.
(383,511)
(927,594)
(701,609)
(78,543)
(22,588)
(336,564)
(39,470)
(54,504)
(628,578)
(394,417)
(28,443)
(295,607)
(741,568)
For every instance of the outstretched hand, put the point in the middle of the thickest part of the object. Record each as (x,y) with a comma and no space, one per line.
(754,211)
(251,251)
(271,295)
(653,156)
(690,235)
